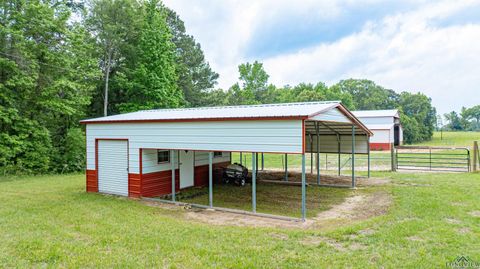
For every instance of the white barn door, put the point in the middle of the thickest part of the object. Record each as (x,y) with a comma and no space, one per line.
(187,159)
(113,167)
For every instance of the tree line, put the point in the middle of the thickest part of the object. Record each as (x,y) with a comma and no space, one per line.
(62,61)
(467,120)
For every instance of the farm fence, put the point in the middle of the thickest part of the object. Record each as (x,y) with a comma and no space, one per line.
(424,158)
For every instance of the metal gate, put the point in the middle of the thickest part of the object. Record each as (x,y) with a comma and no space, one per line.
(423,158)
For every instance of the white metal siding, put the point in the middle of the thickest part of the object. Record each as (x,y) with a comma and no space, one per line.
(329,144)
(333,115)
(201,158)
(248,136)
(113,167)
(150,165)
(150,162)
(382,136)
(376,120)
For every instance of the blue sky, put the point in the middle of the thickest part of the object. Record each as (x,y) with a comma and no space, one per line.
(427,46)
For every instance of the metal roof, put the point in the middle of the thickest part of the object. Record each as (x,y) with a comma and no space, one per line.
(283,110)
(376,113)
(304,110)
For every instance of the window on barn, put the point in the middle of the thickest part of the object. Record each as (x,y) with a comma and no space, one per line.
(163,156)
(217,154)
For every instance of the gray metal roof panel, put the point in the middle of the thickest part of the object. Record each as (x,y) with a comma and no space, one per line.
(223,112)
(376,113)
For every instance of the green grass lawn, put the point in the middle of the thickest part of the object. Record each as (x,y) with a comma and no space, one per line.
(49,221)
(452,139)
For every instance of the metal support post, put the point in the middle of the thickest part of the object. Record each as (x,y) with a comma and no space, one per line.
(210,179)
(304,191)
(353,156)
(173,173)
(254,182)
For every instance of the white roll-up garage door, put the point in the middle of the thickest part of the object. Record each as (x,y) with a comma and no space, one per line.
(113,166)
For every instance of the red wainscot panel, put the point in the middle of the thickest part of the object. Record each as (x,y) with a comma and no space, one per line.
(159,183)
(134,185)
(380,146)
(92,181)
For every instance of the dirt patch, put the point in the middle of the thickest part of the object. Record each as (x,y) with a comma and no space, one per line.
(453,221)
(464,230)
(361,206)
(216,217)
(296,176)
(357,207)
(474,213)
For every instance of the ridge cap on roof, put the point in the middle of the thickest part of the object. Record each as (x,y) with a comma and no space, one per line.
(241,106)
(368,110)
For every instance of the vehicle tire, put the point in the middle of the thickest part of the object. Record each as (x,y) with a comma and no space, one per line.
(242,182)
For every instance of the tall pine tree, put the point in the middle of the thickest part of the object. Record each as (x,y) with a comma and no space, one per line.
(154,78)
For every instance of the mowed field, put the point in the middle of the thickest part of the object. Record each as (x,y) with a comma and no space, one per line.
(51,221)
(452,139)
(433,218)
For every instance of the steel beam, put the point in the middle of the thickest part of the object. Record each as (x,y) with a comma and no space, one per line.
(339,155)
(304,191)
(263,162)
(318,153)
(353,156)
(172,162)
(254,182)
(210,179)
(368,150)
(311,153)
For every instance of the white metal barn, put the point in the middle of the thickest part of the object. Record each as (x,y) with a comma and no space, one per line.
(160,152)
(385,125)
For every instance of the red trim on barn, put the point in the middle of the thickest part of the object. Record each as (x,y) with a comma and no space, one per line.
(134,185)
(380,146)
(159,183)
(92,181)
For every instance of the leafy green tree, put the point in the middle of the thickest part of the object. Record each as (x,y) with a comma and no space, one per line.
(254,82)
(115,26)
(472,116)
(239,96)
(195,76)
(367,95)
(417,107)
(154,78)
(411,128)
(46,79)
(454,121)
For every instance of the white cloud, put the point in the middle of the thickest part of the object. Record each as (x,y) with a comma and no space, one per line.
(402,51)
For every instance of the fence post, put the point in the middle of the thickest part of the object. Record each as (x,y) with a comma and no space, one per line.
(475,156)
(430,150)
(392,152)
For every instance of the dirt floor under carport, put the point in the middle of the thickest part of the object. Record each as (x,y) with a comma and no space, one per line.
(369,199)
